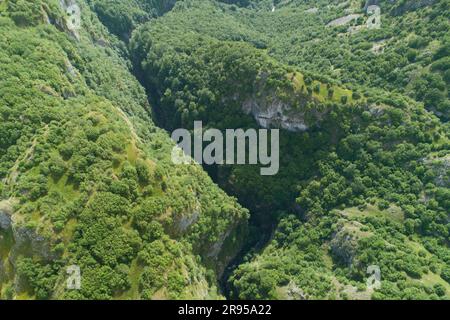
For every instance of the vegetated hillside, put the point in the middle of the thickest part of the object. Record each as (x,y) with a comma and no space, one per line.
(86,176)
(122,16)
(364,169)
(408,54)
(363,178)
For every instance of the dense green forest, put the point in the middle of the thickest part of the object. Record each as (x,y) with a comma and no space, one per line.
(87,175)
(363,169)
(87,180)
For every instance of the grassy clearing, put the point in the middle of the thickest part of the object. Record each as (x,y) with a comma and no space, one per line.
(393,213)
(3,5)
(132,153)
(431,279)
(68,231)
(135,272)
(64,187)
(322,95)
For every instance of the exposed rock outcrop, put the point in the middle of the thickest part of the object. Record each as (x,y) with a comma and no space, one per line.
(293,292)
(28,240)
(344,20)
(72,23)
(24,239)
(344,244)
(217,246)
(274,113)
(225,249)
(441,167)
(188,220)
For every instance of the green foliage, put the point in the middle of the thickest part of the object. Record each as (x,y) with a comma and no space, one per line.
(41,277)
(367,148)
(92,175)
(83,159)
(121,17)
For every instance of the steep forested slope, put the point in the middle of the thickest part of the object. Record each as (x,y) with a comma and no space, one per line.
(87,178)
(86,175)
(122,16)
(360,182)
(409,53)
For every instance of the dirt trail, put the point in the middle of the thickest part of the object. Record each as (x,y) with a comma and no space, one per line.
(129,124)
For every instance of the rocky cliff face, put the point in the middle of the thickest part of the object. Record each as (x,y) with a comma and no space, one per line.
(271,111)
(25,238)
(29,240)
(275,114)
